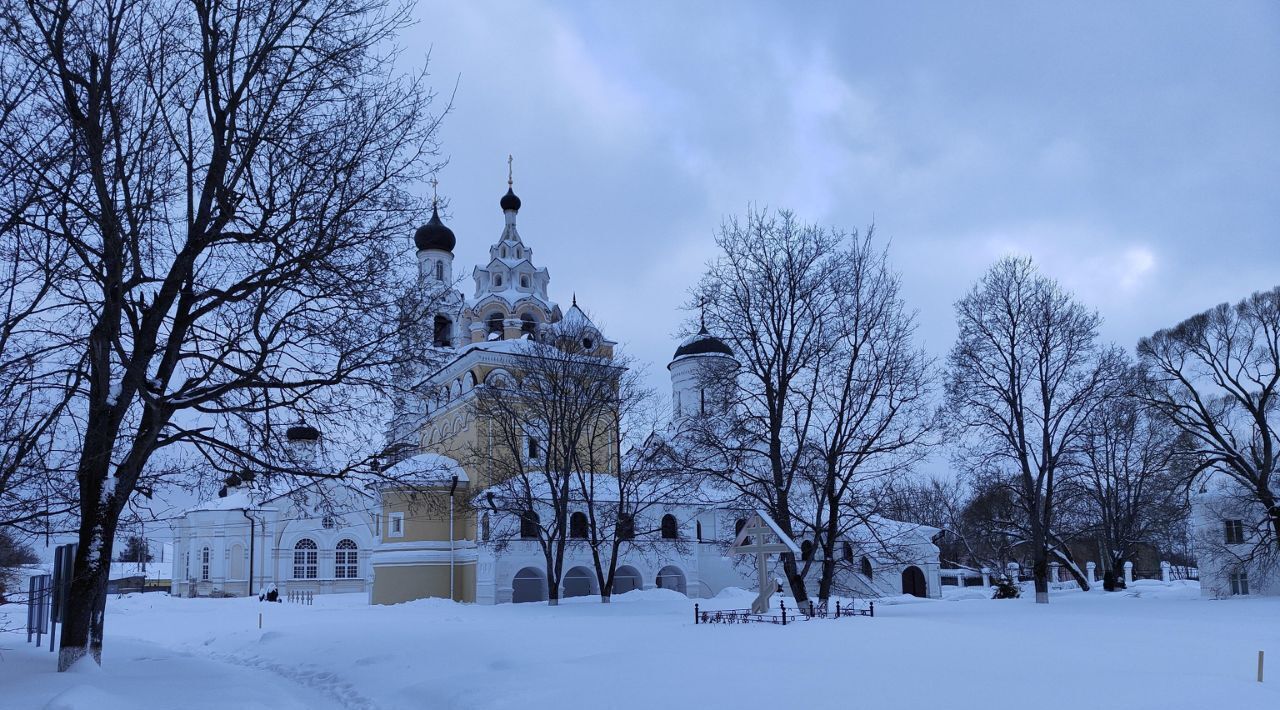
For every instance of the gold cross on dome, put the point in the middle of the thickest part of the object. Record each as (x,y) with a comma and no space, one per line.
(510,160)
(434,184)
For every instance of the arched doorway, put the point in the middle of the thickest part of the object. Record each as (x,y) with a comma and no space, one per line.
(529,585)
(671,577)
(913,582)
(578,582)
(626,579)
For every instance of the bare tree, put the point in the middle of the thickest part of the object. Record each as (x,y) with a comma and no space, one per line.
(1216,377)
(873,413)
(1024,376)
(233,187)
(543,435)
(768,295)
(1128,484)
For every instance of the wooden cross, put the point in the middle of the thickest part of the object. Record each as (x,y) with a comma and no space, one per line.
(761,536)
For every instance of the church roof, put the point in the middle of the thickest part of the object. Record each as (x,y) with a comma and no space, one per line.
(509,201)
(576,319)
(702,343)
(434,235)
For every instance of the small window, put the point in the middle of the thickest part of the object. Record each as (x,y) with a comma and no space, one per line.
(578,525)
(395,525)
(530,525)
(328,522)
(806,549)
(484,527)
(1239,584)
(702,402)
(670,529)
(528,325)
(535,451)
(626,526)
(204,564)
(588,343)
(738,525)
(847,552)
(1235,532)
(305,558)
(439,271)
(866,568)
(346,560)
(524,281)
(698,530)
(497,279)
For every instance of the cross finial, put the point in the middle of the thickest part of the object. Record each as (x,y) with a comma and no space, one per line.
(575,298)
(435,197)
(702,312)
(510,160)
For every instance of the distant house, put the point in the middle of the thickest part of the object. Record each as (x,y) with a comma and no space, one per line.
(1227,528)
(128,577)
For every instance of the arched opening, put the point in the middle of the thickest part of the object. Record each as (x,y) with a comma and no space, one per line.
(578,525)
(442,332)
(346,560)
(626,526)
(671,577)
(626,579)
(305,559)
(529,585)
(484,527)
(494,322)
(530,525)
(439,271)
(497,279)
(670,529)
(698,530)
(579,582)
(847,551)
(738,525)
(235,565)
(866,568)
(806,549)
(524,281)
(528,325)
(913,582)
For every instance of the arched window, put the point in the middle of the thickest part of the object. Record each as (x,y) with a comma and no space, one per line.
(578,525)
(529,525)
(471,380)
(346,561)
(204,563)
(484,527)
(698,528)
(806,549)
(328,522)
(524,281)
(442,332)
(848,552)
(738,525)
(866,568)
(670,529)
(305,559)
(497,279)
(495,323)
(528,324)
(439,271)
(626,526)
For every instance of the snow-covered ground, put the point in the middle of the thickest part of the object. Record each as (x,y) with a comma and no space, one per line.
(1155,646)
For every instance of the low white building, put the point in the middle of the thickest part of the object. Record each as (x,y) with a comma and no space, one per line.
(238,545)
(1227,527)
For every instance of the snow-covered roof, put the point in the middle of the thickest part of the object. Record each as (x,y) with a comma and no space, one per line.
(427,468)
(154,570)
(234,500)
(576,319)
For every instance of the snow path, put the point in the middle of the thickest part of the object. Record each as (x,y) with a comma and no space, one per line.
(1157,646)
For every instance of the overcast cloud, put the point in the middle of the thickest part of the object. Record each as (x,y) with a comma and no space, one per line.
(1132,149)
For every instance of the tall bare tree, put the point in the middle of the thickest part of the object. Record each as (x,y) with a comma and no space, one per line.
(873,417)
(768,295)
(546,433)
(1024,377)
(1216,377)
(232,188)
(1128,484)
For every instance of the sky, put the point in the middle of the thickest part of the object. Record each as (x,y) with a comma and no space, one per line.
(1133,150)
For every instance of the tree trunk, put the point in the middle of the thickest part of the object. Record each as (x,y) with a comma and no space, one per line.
(82,627)
(794,578)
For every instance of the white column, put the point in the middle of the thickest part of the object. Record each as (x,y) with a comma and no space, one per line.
(1164,571)
(1053,572)
(986,576)
(1091,572)
(1128,573)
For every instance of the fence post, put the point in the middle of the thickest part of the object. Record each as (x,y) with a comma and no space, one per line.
(1164,571)
(1128,573)
(783,604)
(837,608)
(986,577)
(1090,570)
(873,609)
(695,614)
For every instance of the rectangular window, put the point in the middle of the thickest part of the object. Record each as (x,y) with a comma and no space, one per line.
(534,451)
(1235,532)
(395,525)
(204,564)
(1239,583)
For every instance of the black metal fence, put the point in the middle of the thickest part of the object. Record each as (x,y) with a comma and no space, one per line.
(783,617)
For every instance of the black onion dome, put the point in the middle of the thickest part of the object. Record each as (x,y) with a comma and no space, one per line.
(510,201)
(434,235)
(302,432)
(703,344)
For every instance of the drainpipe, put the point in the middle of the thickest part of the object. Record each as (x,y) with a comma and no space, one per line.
(452,487)
(253,533)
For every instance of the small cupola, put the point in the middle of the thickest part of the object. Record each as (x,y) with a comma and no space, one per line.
(435,235)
